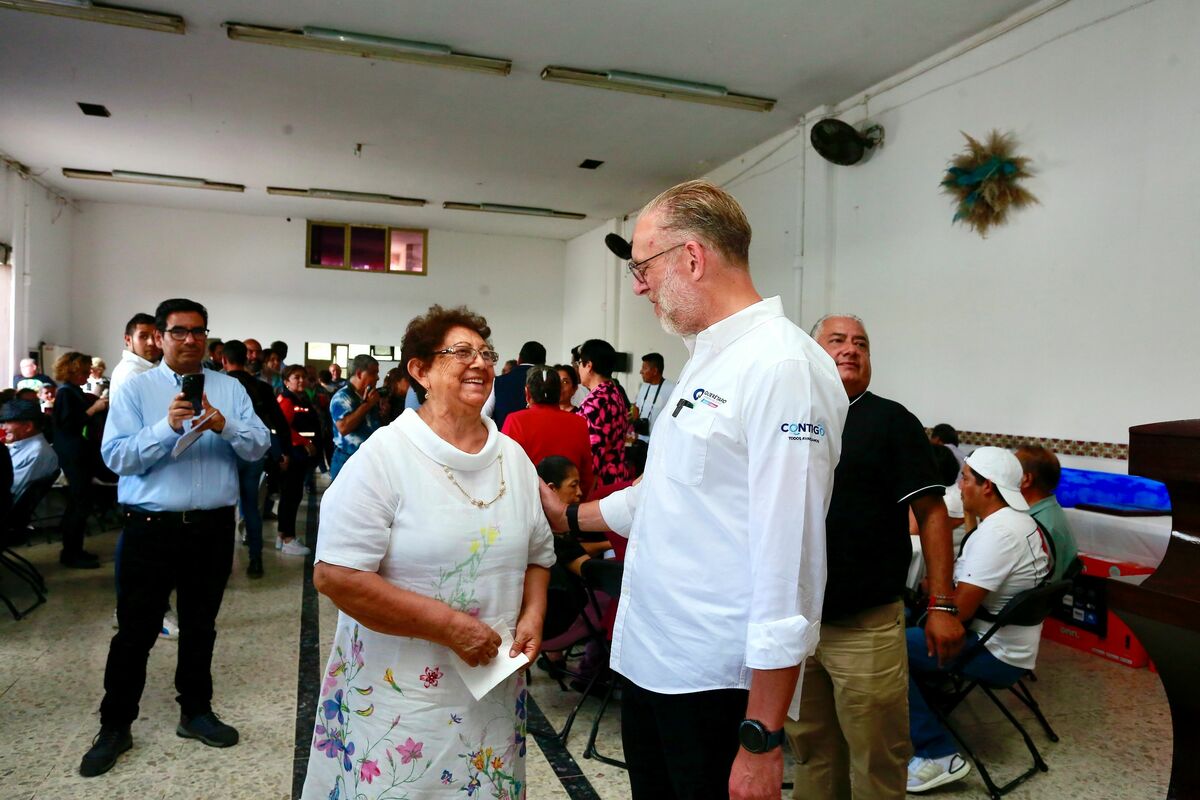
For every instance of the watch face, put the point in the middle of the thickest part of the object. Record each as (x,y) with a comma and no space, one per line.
(752,736)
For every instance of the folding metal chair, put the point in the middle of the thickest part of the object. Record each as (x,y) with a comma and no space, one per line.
(1030,607)
(10,559)
(599,576)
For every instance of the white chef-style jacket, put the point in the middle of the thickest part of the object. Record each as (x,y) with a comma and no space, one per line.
(725,570)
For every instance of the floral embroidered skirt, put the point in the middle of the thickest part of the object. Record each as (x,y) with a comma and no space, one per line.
(394,720)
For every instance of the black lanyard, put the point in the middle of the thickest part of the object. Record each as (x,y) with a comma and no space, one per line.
(650,411)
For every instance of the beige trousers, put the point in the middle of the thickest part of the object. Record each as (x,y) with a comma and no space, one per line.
(851,741)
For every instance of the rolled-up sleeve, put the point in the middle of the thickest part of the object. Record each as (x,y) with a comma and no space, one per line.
(617,510)
(793,422)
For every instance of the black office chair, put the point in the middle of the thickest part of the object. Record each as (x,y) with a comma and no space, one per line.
(14,529)
(1030,607)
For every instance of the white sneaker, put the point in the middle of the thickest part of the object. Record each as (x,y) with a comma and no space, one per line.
(170,628)
(294,548)
(926,773)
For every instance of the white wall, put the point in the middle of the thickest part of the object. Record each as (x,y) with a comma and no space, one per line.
(768,182)
(589,287)
(249,272)
(1077,319)
(39,228)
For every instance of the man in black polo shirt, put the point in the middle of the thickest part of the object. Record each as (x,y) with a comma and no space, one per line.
(853,725)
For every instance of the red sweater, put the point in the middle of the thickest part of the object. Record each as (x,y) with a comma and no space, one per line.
(549,431)
(300,416)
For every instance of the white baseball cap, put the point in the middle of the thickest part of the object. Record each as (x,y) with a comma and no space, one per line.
(1004,470)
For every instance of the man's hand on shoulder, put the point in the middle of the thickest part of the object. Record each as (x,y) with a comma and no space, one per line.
(554,508)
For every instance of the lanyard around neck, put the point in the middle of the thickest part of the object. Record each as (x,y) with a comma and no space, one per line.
(657,389)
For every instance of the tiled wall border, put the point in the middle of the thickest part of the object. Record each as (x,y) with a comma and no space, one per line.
(1069,447)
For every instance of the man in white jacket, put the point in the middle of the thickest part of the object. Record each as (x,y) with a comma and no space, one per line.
(140,354)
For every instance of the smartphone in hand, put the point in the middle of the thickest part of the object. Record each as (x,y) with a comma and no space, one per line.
(193,391)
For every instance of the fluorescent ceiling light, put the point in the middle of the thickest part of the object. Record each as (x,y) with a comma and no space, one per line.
(338,194)
(366,46)
(152,179)
(385,42)
(670,88)
(95,12)
(501,208)
(667,84)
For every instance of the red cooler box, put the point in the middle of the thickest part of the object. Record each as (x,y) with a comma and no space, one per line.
(1085,623)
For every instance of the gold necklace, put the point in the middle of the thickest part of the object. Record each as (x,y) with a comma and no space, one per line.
(472,500)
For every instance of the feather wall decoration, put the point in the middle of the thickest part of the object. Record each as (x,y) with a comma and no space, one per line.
(984,180)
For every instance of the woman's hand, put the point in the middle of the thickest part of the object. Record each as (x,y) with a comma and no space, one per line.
(528,637)
(98,406)
(554,508)
(473,642)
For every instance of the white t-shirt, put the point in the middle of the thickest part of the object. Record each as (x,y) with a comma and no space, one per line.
(1005,556)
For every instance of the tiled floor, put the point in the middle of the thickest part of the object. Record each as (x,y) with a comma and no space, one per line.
(1113,721)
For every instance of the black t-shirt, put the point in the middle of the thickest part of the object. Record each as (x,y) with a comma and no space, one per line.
(886,463)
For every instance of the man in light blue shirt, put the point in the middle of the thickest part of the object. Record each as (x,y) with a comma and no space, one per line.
(179,526)
(32,456)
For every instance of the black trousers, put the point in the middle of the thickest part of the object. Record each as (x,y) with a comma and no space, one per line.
(681,746)
(195,560)
(291,489)
(75,466)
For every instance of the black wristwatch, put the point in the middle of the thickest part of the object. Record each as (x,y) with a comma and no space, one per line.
(573,518)
(755,737)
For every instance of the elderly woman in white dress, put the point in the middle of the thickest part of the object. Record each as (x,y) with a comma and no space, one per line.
(431,539)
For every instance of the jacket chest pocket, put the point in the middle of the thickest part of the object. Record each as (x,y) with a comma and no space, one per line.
(687,447)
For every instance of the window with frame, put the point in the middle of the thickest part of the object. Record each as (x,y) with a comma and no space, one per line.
(366,248)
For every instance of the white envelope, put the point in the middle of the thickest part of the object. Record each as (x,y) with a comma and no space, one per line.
(481,680)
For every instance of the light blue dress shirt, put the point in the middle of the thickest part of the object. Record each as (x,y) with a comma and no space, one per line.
(138,441)
(32,460)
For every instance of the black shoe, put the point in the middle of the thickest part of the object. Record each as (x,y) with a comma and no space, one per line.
(255,570)
(209,729)
(79,561)
(109,743)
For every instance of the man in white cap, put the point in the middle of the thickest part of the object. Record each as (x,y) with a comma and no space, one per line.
(1001,558)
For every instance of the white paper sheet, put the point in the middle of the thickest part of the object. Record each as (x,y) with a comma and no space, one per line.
(481,680)
(192,435)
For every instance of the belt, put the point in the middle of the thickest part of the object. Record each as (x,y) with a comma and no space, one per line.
(192,517)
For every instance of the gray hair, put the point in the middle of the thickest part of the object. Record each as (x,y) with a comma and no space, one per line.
(706,211)
(816,329)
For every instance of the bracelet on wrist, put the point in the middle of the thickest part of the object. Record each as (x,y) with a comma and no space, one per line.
(948,609)
(573,518)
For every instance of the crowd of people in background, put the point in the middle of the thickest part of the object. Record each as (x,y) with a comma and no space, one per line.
(857,472)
